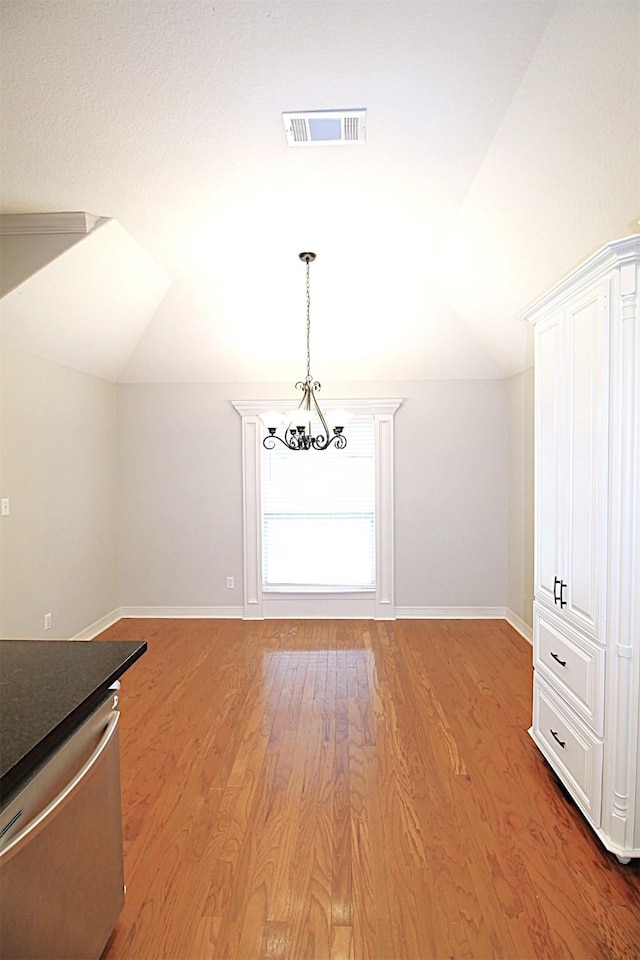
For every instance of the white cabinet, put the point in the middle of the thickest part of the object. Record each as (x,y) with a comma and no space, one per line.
(571,376)
(587,539)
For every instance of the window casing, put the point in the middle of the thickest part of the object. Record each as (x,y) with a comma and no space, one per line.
(320,601)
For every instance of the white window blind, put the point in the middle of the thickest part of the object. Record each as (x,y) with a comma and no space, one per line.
(318,515)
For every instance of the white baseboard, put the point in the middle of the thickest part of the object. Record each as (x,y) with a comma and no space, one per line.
(236,613)
(178,613)
(102,624)
(520,625)
(451,613)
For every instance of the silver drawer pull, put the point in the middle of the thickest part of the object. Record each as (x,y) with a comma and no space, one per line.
(555,736)
(33,827)
(7,826)
(555,656)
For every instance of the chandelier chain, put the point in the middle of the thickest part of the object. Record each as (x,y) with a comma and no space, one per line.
(298,434)
(308,325)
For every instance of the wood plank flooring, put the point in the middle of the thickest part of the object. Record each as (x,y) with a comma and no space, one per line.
(351,789)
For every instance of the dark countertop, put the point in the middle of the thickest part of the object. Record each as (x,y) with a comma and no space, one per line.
(47,688)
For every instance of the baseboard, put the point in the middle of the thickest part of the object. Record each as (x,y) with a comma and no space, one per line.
(185,613)
(102,624)
(236,613)
(520,625)
(451,613)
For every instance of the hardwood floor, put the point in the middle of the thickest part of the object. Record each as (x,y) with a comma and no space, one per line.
(351,789)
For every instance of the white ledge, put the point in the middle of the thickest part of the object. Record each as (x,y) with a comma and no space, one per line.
(13,224)
(384,407)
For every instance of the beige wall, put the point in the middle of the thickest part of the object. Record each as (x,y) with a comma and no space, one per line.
(132,495)
(180,495)
(22,256)
(58,468)
(180,491)
(451,494)
(520,544)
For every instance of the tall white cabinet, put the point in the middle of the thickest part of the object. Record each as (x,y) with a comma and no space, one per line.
(586,712)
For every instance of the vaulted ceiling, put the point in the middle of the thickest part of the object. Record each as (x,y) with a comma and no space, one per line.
(503,147)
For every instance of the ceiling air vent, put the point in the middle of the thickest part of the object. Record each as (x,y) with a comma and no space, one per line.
(324,128)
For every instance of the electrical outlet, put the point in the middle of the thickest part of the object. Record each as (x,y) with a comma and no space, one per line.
(6,509)
(230,583)
(47,621)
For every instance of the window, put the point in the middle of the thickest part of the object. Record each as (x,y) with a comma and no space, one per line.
(318,515)
(373,598)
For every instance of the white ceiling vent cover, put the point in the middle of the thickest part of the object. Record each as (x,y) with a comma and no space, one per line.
(324,128)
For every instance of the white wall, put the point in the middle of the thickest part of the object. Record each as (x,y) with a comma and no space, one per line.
(180,491)
(58,467)
(520,525)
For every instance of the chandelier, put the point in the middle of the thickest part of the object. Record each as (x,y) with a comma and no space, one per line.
(297,425)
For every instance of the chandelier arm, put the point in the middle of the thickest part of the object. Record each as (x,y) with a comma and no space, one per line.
(327,432)
(321,443)
(306,386)
(269,442)
(294,442)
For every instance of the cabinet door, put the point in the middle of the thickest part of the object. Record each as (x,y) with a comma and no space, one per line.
(585,364)
(548,484)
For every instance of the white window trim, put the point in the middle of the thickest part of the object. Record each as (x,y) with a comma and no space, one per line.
(259,604)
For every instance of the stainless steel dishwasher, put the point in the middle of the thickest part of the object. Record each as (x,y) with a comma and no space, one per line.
(61,867)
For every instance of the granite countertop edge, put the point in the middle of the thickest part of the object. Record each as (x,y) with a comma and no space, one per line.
(64,701)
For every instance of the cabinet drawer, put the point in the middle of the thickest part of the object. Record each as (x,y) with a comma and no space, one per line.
(573,665)
(571,749)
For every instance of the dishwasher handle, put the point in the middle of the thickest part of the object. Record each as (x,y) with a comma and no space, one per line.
(34,826)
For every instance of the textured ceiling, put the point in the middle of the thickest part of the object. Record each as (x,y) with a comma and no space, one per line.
(503,147)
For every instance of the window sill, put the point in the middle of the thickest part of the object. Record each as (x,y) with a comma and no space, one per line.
(291,590)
